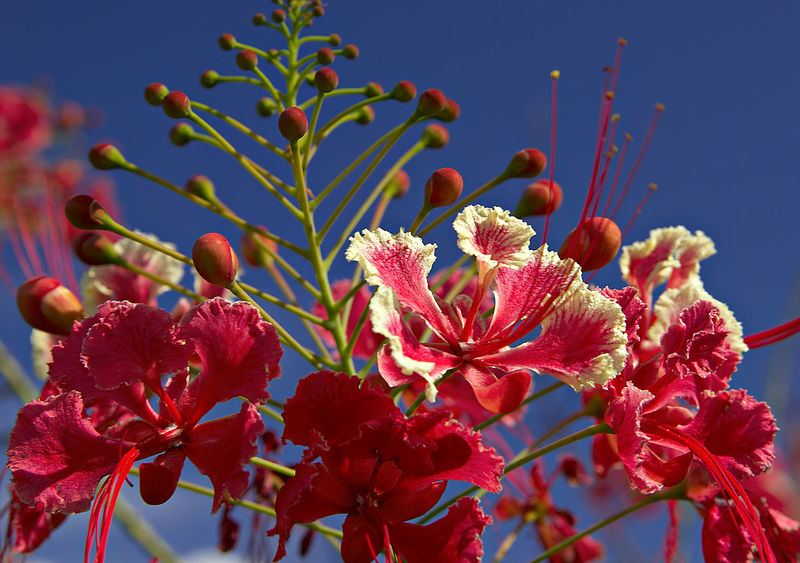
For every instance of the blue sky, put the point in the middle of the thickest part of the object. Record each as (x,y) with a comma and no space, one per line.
(723,155)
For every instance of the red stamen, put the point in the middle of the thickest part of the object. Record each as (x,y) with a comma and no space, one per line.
(554,76)
(651,188)
(617,173)
(16,246)
(648,136)
(26,236)
(773,335)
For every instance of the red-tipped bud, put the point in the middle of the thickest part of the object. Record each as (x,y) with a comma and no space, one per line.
(326,80)
(260,19)
(398,185)
(539,198)
(246,59)
(85,212)
(435,136)
(350,52)
(227,41)
(94,249)
(209,79)
(47,305)
(431,102)
(155,93)
(266,107)
(404,91)
(253,249)
(373,89)
(318,11)
(335,39)
(181,133)
(527,163)
(176,105)
(366,115)
(201,186)
(443,188)
(450,112)
(278,16)
(293,124)
(593,243)
(215,260)
(325,56)
(106,157)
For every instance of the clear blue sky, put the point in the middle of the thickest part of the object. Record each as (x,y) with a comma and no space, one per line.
(724,156)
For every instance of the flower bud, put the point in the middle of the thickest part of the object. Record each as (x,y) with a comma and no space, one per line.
(104,156)
(202,187)
(398,185)
(443,188)
(325,56)
(593,243)
(335,39)
(404,91)
(292,124)
(157,482)
(373,89)
(226,41)
(85,212)
(261,19)
(435,136)
(246,59)
(266,107)
(278,16)
(209,79)
(181,133)
(176,105)
(366,115)
(318,11)
(326,80)
(252,247)
(155,93)
(94,249)
(350,52)
(539,198)
(47,305)
(215,260)
(450,112)
(527,163)
(431,102)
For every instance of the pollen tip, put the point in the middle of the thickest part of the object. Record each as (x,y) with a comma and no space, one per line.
(555,74)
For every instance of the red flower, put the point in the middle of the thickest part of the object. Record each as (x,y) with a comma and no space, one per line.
(381,469)
(24,126)
(582,341)
(61,447)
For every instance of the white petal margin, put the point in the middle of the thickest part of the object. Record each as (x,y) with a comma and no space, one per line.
(665,241)
(362,244)
(690,252)
(671,302)
(587,308)
(387,320)
(493,236)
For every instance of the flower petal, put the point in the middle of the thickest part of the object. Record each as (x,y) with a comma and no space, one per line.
(647,264)
(56,456)
(493,236)
(222,447)
(401,263)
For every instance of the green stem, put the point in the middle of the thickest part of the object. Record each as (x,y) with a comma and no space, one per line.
(676,492)
(346,112)
(421,397)
(16,377)
(270,88)
(239,126)
(509,540)
(274,415)
(272,466)
(537,395)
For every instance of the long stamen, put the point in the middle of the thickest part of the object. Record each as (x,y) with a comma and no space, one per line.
(773,335)
(617,173)
(554,76)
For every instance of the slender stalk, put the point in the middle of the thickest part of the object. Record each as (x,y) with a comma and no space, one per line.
(676,492)
(509,540)
(271,465)
(239,126)
(539,394)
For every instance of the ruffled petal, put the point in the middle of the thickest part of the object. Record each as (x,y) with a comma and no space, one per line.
(29,526)
(672,302)
(453,538)
(738,430)
(493,236)
(55,455)
(327,408)
(583,343)
(401,263)
(647,264)
(530,292)
(690,253)
(131,343)
(403,358)
(222,447)
(238,349)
